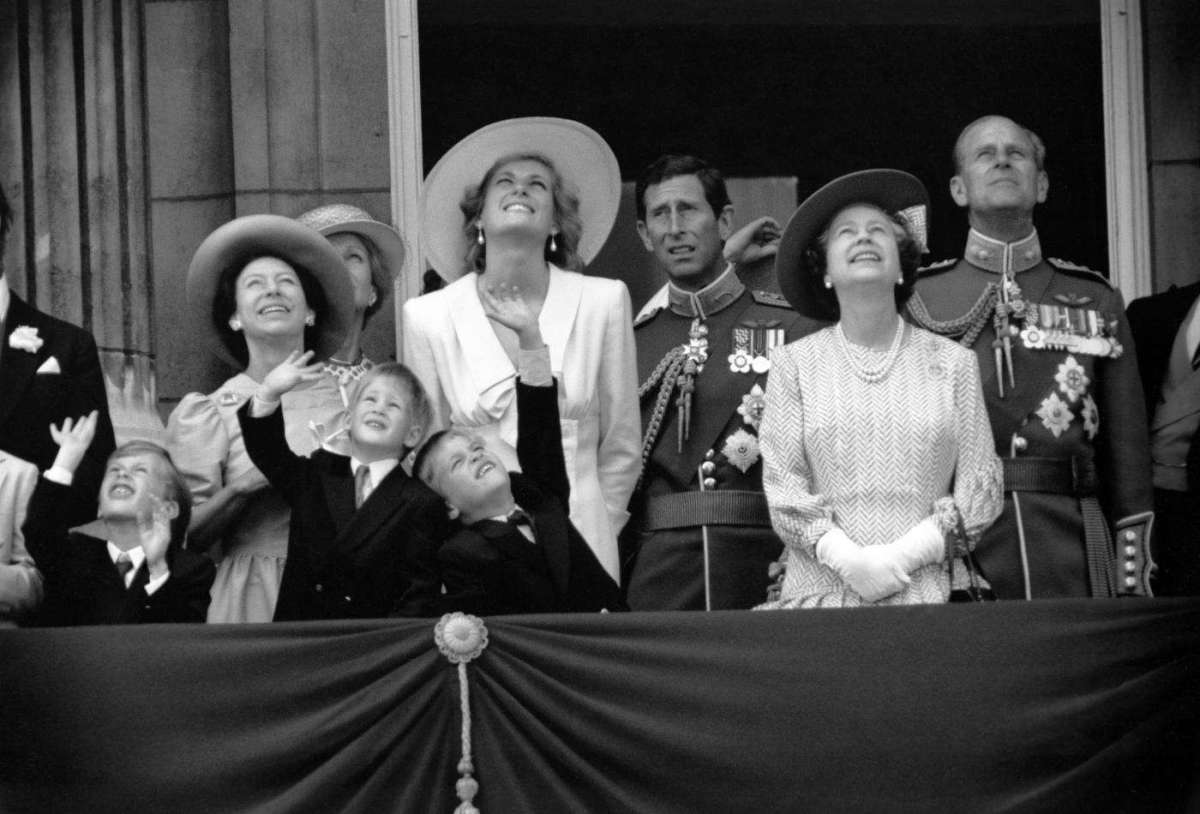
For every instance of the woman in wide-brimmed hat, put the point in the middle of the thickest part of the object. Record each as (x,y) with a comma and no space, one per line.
(878,461)
(373,253)
(258,288)
(522,204)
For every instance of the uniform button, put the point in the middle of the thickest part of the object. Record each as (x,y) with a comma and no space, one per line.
(708,455)
(710,483)
(347,599)
(1131,535)
(1130,567)
(1130,551)
(318,587)
(1130,581)
(708,467)
(1020,444)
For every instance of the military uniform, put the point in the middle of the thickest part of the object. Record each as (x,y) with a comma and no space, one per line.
(702,365)
(1064,398)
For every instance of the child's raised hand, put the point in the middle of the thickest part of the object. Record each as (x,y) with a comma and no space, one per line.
(756,240)
(154,534)
(293,370)
(504,304)
(73,439)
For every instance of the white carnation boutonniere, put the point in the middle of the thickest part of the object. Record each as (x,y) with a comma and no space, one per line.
(25,338)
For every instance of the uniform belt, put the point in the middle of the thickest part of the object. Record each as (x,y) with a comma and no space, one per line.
(718,508)
(1070,476)
(1063,476)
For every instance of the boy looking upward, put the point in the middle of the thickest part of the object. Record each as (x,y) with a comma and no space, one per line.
(364,535)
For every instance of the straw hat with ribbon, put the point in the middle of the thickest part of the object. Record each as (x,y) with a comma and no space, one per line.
(336,218)
(583,159)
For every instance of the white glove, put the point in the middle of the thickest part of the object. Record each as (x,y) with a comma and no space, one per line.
(873,572)
(923,544)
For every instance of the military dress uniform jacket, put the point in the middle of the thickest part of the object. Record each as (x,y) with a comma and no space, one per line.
(1069,424)
(710,484)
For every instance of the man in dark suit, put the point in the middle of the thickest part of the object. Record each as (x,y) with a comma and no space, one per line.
(364,535)
(49,371)
(128,565)
(1166,330)
(517,551)
(700,536)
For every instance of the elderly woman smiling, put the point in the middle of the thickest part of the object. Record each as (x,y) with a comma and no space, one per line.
(258,288)
(878,463)
(518,206)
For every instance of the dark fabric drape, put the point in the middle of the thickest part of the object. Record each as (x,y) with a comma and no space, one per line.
(1044,706)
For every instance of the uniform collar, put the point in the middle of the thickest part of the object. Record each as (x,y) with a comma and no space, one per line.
(990,254)
(716,296)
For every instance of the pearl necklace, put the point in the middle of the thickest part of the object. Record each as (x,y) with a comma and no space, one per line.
(870,375)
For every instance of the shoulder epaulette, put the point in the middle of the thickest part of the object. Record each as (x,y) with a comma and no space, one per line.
(936,268)
(1077,270)
(646,316)
(770,298)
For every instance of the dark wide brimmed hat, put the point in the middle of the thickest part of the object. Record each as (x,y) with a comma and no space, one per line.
(890,190)
(252,236)
(583,159)
(335,218)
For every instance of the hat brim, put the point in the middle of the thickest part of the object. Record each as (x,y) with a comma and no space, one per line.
(890,190)
(386,240)
(253,236)
(582,157)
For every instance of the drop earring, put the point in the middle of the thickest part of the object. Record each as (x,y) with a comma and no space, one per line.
(479,234)
(553,245)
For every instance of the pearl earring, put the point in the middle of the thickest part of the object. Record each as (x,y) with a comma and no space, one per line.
(310,320)
(479,234)
(235,324)
(553,245)
(828,283)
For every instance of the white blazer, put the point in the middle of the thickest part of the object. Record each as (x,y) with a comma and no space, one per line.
(450,345)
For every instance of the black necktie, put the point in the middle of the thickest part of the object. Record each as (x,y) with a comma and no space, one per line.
(124,565)
(523,523)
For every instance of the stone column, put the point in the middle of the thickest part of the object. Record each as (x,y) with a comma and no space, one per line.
(72,163)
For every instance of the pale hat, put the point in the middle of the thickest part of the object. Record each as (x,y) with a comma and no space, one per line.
(891,190)
(343,217)
(583,159)
(246,238)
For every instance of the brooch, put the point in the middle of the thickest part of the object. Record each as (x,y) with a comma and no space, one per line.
(741,450)
(752,406)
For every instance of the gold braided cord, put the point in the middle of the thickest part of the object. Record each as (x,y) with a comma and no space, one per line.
(667,372)
(968,326)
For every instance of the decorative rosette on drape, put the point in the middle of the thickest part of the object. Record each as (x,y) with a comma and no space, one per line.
(461,637)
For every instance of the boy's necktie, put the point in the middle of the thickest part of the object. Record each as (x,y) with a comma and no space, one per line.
(362,485)
(124,565)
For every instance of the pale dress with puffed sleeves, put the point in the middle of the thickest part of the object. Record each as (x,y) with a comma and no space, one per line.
(205,441)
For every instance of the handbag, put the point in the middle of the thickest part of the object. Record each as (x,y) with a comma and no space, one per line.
(976,590)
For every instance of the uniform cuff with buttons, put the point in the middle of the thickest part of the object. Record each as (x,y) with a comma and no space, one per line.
(1134,566)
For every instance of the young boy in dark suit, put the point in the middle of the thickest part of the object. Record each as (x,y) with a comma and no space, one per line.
(364,535)
(517,551)
(128,565)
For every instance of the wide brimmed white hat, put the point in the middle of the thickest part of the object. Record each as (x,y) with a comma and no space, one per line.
(334,218)
(583,159)
(245,238)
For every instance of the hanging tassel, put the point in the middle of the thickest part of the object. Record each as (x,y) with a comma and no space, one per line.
(461,638)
